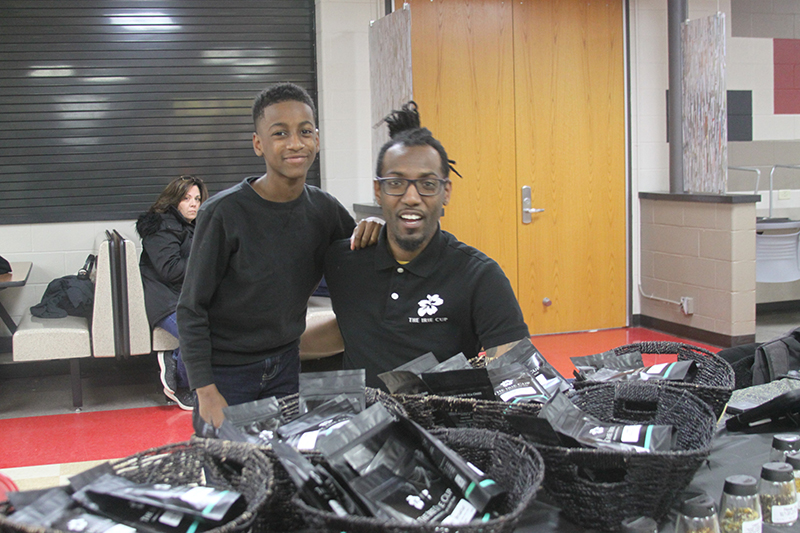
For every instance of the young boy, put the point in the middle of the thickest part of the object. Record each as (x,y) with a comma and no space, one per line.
(256,258)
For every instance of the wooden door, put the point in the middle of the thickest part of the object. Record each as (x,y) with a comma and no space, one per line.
(570,112)
(531,93)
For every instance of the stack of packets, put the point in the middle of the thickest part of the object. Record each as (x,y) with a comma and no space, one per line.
(98,501)
(562,423)
(520,375)
(372,463)
(608,366)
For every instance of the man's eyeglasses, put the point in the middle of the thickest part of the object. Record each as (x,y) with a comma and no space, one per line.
(399,186)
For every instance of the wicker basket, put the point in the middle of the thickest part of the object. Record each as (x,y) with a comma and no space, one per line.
(282,514)
(508,460)
(220,464)
(713,383)
(429,411)
(599,488)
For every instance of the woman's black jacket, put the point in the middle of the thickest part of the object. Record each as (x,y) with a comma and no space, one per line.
(166,243)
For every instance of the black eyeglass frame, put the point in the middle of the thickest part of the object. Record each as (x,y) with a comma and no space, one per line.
(442,184)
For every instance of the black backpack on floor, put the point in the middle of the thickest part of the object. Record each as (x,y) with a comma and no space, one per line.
(777,358)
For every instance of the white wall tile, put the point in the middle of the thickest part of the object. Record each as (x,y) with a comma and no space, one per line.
(15,238)
(773,128)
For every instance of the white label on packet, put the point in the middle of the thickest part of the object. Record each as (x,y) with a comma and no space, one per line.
(656,369)
(462,514)
(308,440)
(197,496)
(631,433)
(523,391)
(171,518)
(784,514)
(751,526)
(120,528)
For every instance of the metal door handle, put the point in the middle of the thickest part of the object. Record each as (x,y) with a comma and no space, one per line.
(527,210)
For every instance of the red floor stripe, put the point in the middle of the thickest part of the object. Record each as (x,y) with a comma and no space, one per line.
(53,439)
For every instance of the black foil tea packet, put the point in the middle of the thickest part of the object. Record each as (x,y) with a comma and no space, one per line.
(394,497)
(682,371)
(569,420)
(589,364)
(513,384)
(304,431)
(405,378)
(318,387)
(382,465)
(526,354)
(122,500)
(471,383)
(207,503)
(317,485)
(258,419)
(457,362)
(375,442)
(55,509)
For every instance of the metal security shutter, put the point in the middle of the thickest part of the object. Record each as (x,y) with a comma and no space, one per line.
(102,102)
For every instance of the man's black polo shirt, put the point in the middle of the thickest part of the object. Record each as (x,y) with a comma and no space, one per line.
(451,298)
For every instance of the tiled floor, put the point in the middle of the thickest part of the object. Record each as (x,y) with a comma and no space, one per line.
(43,440)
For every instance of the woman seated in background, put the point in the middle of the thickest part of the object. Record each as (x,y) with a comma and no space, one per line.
(166,230)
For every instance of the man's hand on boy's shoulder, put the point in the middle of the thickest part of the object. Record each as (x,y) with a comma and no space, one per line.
(366,233)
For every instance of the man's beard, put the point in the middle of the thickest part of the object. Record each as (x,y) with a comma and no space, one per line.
(410,244)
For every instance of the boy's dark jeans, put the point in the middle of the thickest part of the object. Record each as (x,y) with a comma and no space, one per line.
(274,376)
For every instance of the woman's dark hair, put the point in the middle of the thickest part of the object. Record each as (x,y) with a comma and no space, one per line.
(405,129)
(173,194)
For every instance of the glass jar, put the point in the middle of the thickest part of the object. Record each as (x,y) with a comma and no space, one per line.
(782,445)
(639,524)
(740,508)
(778,494)
(793,459)
(698,514)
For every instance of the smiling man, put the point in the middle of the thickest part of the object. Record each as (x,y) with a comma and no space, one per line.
(419,290)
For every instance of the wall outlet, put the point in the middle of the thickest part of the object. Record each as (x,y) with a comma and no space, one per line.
(687,305)
(785,194)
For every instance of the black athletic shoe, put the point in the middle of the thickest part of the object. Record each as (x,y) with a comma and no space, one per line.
(183,397)
(169,372)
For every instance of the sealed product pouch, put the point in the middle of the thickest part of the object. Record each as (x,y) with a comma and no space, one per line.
(55,509)
(592,363)
(394,497)
(385,466)
(471,383)
(259,418)
(375,439)
(526,354)
(683,371)
(405,378)
(569,420)
(513,384)
(202,502)
(304,431)
(457,362)
(318,387)
(317,485)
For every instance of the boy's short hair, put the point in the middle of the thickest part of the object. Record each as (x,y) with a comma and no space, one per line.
(281,92)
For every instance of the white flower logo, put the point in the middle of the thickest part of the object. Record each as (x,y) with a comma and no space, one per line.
(430,305)
(415,502)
